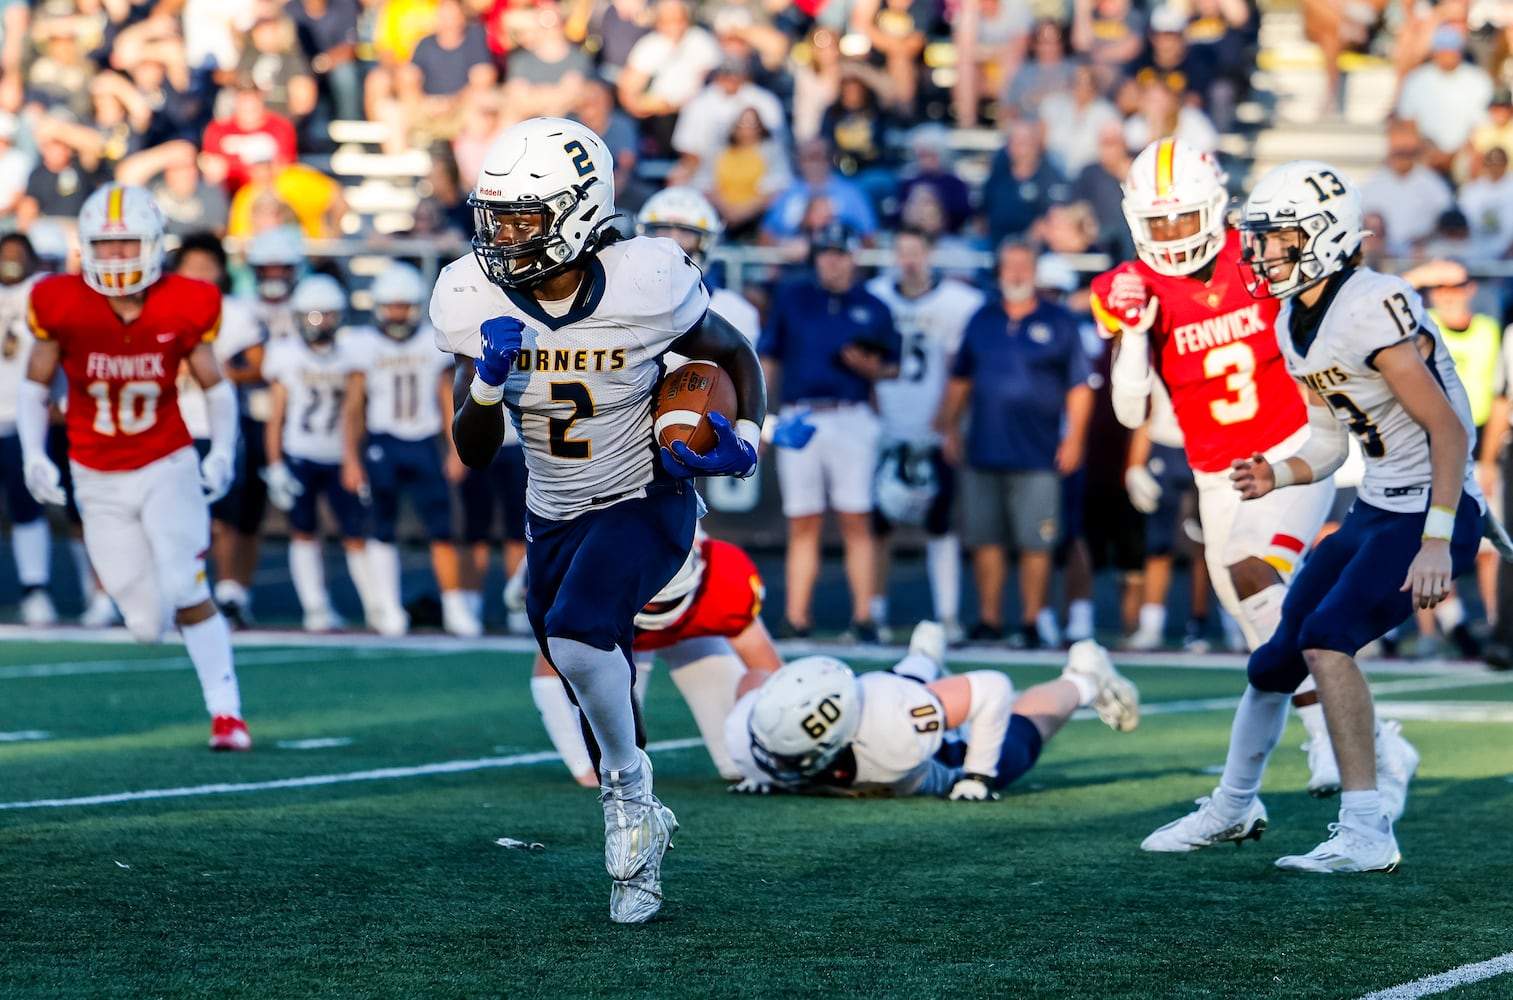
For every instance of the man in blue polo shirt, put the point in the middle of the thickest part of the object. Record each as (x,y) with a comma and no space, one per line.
(1020,378)
(827,341)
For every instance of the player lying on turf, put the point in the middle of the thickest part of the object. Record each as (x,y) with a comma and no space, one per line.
(816,727)
(704,625)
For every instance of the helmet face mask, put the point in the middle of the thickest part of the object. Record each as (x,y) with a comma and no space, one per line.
(397,321)
(399,294)
(319,328)
(544,196)
(319,303)
(120,240)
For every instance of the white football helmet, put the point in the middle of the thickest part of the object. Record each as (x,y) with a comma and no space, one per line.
(905,483)
(319,302)
(682,208)
(1317,201)
(805,715)
(1169,179)
(399,294)
(277,258)
(121,212)
(553,168)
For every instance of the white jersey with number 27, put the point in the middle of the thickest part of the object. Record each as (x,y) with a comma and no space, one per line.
(315,384)
(1371,312)
(580,392)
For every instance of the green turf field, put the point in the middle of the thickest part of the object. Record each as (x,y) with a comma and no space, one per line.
(389,884)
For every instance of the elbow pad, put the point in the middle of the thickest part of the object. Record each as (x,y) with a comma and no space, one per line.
(1328,444)
(992,703)
(220,406)
(1130,376)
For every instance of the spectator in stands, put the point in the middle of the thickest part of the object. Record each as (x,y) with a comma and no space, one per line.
(1110,33)
(596,109)
(746,29)
(273,60)
(1048,72)
(163,82)
(991,38)
(1409,196)
(443,214)
(314,198)
(1413,39)
(1021,185)
(1073,119)
(1337,28)
(120,120)
(816,69)
(211,30)
(1494,132)
(249,117)
(1188,73)
(60,182)
(60,75)
(482,123)
(1066,229)
(922,210)
(15,165)
(706,122)
(446,64)
(747,175)
(817,182)
(665,69)
(1162,113)
(171,172)
(857,127)
(15,26)
(1374,243)
(1020,381)
(930,167)
(546,72)
(896,30)
(1446,97)
(397,30)
(618,25)
(1487,201)
(1099,185)
(327,33)
(1227,32)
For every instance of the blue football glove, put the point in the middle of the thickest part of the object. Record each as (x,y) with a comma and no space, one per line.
(500,342)
(793,431)
(730,456)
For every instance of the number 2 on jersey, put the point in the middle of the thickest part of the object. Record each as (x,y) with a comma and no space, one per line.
(561,445)
(1236,362)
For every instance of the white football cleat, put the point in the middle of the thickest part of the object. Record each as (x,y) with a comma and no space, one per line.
(1206,826)
(1323,771)
(457,617)
(390,622)
(37,609)
(1396,763)
(1118,701)
(324,620)
(929,639)
(638,831)
(1348,849)
(637,900)
(1145,641)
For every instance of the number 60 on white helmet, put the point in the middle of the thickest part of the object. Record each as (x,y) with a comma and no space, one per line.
(804,716)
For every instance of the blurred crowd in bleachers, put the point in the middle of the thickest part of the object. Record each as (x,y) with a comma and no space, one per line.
(970,121)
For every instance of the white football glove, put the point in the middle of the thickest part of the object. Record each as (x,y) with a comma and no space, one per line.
(1129,298)
(1143,489)
(217,473)
(283,488)
(973,788)
(43,480)
(750,786)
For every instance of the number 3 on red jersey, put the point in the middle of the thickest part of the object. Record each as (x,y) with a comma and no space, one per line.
(1235,362)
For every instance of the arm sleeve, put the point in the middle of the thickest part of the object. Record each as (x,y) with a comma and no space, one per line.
(31,418)
(992,703)
(220,404)
(1130,378)
(1327,446)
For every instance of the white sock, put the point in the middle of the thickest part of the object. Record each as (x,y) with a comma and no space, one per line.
(560,717)
(1048,627)
(1447,614)
(309,574)
(877,607)
(357,569)
(601,679)
(1079,620)
(474,600)
(87,588)
(1262,612)
(943,564)
(1152,619)
(1087,687)
(708,685)
(1257,728)
(1312,716)
(230,592)
(32,543)
(383,575)
(209,646)
(643,678)
(1363,810)
(457,616)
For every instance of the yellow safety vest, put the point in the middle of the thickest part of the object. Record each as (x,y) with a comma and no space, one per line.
(1475,353)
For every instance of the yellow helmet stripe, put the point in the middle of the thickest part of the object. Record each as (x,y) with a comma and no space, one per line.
(1164,167)
(113,204)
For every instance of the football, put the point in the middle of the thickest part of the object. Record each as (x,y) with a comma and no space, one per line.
(685,398)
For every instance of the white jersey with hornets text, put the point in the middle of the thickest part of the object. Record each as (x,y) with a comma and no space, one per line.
(401,379)
(1369,313)
(239,331)
(931,327)
(15,349)
(901,730)
(315,384)
(580,393)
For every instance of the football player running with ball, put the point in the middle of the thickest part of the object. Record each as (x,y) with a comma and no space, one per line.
(564,327)
(1373,362)
(119,331)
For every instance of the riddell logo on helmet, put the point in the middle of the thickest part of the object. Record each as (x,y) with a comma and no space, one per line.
(490,192)
(113,227)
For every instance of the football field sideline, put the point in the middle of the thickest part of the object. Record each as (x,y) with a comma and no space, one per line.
(1463,975)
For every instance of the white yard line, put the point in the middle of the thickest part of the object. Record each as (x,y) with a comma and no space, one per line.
(1463,975)
(77,668)
(315,780)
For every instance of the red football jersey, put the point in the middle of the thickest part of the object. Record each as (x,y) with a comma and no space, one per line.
(123,401)
(1215,347)
(728,599)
